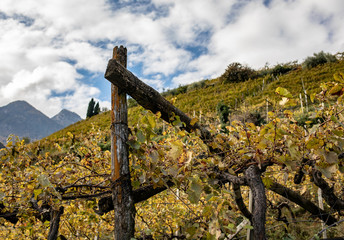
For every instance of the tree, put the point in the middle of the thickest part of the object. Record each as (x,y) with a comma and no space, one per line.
(318,59)
(96,109)
(93,108)
(90,109)
(237,72)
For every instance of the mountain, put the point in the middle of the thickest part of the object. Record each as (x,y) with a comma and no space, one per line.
(66,118)
(23,120)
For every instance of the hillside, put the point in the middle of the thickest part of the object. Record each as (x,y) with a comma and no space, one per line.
(283,162)
(201,98)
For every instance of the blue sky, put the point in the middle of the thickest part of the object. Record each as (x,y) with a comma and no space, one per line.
(53,53)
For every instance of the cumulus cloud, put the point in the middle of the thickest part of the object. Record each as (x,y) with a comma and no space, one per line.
(51,51)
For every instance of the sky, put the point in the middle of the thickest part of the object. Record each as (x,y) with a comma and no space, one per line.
(53,54)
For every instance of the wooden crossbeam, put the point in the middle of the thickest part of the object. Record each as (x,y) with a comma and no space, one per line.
(149,98)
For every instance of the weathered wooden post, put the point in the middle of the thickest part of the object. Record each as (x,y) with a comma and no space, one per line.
(120,173)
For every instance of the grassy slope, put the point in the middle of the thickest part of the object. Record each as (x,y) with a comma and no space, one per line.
(251,94)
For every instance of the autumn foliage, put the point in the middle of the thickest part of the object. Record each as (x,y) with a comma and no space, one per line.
(185,188)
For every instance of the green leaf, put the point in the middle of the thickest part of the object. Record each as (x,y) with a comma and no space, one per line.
(283,92)
(314,143)
(248,227)
(140,136)
(195,191)
(151,121)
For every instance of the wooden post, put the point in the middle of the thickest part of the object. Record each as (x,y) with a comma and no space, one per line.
(267,111)
(301,102)
(321,206)
(122,195)
(249,233)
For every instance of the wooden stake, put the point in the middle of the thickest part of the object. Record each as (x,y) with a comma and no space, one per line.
(249,234)
(321,206)
(120,174)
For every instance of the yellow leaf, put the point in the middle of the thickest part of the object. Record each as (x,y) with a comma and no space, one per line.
(193,121)
(336,90)
(176,150)
(339,77)
(283,92)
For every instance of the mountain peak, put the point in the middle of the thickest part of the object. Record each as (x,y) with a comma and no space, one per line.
(23,120)
(66,117)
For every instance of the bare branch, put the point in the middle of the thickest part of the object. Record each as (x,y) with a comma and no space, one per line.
(327,192)
(302,202)
(240,202)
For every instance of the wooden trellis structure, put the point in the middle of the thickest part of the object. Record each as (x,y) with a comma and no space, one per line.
(123,83)
(124,198)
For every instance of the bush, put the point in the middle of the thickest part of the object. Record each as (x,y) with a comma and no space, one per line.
(237,72)
(196,85)
(281,69)
(318,59)
(223,112)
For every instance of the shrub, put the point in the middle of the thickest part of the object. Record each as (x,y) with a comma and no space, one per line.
(318,59)
(223,112)
(237,72)
(196,85)
(281,69)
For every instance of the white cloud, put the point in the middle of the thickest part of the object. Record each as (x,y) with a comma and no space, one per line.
(285,31)
(44,44)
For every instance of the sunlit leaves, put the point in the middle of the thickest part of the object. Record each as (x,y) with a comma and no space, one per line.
(283,92)
(176,150)
(197,206)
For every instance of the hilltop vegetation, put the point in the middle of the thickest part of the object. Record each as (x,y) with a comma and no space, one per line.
(244,97)
(203,184)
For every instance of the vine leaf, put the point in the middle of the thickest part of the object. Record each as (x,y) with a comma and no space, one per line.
(195,191)
(329,170)
(176,150)
(283,92)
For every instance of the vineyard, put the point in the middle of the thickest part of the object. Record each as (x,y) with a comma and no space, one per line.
(281,145)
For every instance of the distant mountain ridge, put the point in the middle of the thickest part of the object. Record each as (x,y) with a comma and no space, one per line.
(23,120)
(66,118)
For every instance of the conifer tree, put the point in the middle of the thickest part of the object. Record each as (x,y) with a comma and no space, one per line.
(96,109)
(90,109)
